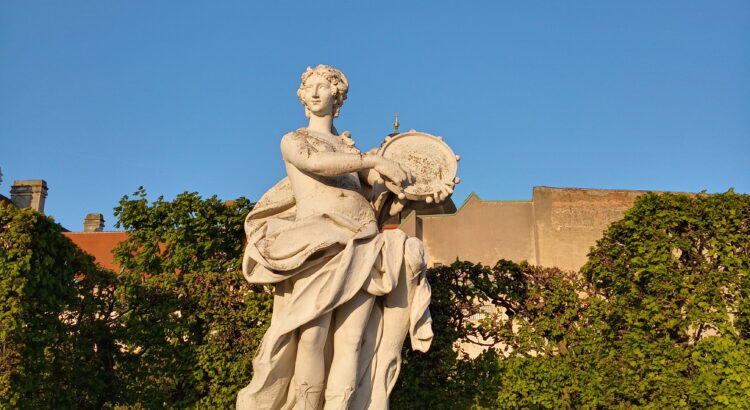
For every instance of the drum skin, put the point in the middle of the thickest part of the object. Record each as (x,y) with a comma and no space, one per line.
(430,160)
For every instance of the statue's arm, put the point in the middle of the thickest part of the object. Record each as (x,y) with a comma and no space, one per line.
(296,150)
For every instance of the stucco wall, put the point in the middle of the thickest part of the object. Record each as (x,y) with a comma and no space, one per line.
(480,231)
(569,221)
(556,228)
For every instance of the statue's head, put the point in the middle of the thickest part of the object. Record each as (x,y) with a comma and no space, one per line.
(323,88)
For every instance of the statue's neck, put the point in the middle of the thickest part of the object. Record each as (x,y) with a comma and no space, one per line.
(322,124)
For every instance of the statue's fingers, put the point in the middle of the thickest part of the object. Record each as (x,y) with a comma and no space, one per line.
(396,207)
(441,195)
(446,193)
(402,177)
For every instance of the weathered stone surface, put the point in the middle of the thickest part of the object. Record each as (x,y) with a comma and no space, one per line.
(29,194)
(93,223)
(430,161)
(346,295)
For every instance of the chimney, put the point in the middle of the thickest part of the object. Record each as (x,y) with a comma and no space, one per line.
(93,223)
(29,194)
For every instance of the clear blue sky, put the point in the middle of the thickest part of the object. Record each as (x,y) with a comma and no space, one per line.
(99,97)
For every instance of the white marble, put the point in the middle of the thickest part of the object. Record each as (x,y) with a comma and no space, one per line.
(346,295)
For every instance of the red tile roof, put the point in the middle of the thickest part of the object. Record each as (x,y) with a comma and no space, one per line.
(99,245)
(387,227)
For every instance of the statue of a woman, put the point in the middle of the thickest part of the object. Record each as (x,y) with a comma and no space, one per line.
(346,295)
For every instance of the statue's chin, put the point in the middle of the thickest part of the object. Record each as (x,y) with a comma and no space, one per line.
(321,113)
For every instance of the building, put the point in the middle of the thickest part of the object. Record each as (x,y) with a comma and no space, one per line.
(93,239)
(556,228)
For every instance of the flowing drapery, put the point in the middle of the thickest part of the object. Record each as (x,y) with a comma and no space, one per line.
(317,264)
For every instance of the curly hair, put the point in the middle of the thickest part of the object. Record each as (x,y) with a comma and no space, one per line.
(338,81)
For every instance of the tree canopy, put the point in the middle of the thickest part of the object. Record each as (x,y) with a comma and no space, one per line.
(658,317)
(191,322)
(54,318)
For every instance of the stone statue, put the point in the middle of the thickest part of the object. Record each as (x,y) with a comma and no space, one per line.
(345,295)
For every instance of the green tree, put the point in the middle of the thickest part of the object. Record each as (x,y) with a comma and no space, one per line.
(657,319)
(675,276)
(431,379)
(191,322)
(56,346)
(534,312)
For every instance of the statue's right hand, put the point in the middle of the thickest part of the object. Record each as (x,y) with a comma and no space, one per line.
(392,171)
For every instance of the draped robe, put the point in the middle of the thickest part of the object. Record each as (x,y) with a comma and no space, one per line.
(317,264)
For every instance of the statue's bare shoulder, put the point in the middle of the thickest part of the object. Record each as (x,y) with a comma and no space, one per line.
(294,146)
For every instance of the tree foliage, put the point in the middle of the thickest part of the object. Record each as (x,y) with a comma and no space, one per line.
(177,327)
(533,312)
(53,318)
(675,275)
(658,318)
(191,322)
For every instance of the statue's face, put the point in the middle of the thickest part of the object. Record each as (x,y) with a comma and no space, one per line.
(318,96)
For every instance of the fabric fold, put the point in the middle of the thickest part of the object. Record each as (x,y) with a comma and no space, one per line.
(318,264)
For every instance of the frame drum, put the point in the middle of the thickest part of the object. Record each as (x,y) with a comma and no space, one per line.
(429,159)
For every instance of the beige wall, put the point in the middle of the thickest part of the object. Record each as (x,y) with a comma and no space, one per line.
(569,221)
(556,228)
(480,231)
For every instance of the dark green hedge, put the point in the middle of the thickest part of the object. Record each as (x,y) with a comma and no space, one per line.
(658,318)
(56,347)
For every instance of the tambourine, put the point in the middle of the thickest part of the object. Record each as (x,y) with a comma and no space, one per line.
(429,159)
